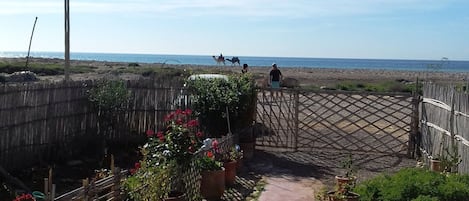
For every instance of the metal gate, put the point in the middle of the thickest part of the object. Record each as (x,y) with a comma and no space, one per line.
(351,121)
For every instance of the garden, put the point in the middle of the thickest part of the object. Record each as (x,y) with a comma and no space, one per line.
(169,160)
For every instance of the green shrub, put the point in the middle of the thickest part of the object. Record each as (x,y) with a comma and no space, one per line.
(415,184)
(211,97)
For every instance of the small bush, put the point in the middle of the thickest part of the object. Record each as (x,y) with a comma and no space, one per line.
(211,97)
(415,184)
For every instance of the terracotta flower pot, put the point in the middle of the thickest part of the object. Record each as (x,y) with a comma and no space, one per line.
(230,172)
(239,164)
(212,184)
(248,149)
(435,165)
(342,181)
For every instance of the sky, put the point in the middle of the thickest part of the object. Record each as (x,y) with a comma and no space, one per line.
(375,29)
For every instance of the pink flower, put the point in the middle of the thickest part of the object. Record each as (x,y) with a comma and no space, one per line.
(188,111)
(150,133)
(179,121)
(215,144)
(178,111)
(199,134)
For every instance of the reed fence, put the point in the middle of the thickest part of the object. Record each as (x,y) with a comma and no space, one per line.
(43,121)
(444,125)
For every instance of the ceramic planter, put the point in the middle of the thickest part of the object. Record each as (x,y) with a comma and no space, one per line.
(230,172)
(212,184)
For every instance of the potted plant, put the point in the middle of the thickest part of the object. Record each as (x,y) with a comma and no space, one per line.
(237,153)
(24,197)
(343,193)
(212,184)
(223,102)
(348,178)
(148,182)
(435,163)
(230,162)
(168,152)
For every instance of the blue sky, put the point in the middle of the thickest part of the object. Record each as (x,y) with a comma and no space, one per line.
(386,29)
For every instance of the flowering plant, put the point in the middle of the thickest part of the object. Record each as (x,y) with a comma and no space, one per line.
(24,197)
(208,162)
(178,141)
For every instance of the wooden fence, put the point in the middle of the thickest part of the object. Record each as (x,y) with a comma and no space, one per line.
(39,121)
(444,124)
(337,120)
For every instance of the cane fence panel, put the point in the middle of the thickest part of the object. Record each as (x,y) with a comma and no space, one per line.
(444,124)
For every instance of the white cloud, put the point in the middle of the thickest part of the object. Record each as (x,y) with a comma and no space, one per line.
(247,8)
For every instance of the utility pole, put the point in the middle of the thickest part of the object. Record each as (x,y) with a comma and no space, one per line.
(67,40)
(30,41)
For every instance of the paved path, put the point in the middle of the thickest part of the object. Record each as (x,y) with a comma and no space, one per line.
(289,188)
(299,176)
(285,183)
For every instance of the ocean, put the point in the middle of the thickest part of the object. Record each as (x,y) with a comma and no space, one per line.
(444,65)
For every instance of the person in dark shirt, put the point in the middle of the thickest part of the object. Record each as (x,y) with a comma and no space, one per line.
(245,68)
(275,77)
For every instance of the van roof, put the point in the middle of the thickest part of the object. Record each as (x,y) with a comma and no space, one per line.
(208,76)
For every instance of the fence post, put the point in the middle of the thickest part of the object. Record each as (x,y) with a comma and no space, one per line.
(297,121)
(116,187)
(413,144)
(86,188)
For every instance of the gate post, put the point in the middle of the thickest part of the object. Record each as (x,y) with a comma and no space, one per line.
(413,144)
(297,121)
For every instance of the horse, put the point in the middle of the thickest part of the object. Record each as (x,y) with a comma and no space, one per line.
(234,60)
(219,59)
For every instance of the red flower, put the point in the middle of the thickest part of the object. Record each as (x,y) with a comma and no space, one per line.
(137,166)
(188,111)
(169,117)
(132,171)
(179,121)
(179,111)
(160,136)
(209,154)
(192,123)
(150,133)
(191,149)
(199,134)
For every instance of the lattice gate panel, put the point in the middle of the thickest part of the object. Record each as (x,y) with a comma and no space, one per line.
(276,120)
(366,122)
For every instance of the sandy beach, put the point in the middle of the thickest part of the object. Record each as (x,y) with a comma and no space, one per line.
(305,76)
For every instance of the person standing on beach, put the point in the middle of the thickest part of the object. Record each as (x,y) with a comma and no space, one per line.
(245,68)
(275,77)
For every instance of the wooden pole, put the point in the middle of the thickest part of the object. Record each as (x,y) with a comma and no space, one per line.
(67,40)
(30,41)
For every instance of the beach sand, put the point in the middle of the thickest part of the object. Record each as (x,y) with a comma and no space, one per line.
(305,76)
